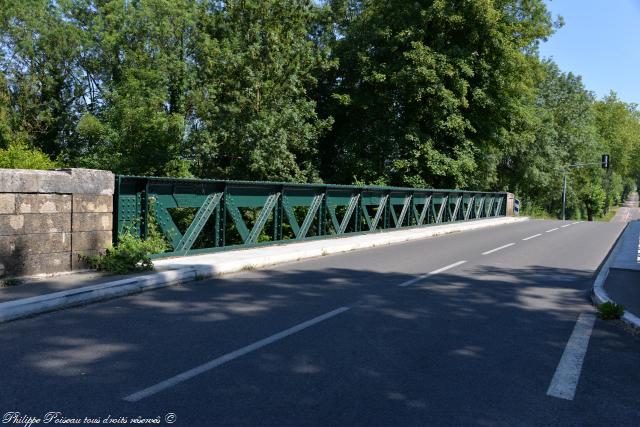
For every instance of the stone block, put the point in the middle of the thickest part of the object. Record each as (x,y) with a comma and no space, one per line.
(34,223)
(92,181)
(43,203)
(91,240)
(18,181)
(7,203)
(63,181)
(28,244)
(92,222)
(87,203)
(35,264)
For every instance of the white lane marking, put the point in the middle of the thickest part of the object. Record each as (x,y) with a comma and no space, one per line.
(565,380)
(187,375)
(497,249)
(577,222)
(532,237)
(553,229)
(564,226)
(431,273)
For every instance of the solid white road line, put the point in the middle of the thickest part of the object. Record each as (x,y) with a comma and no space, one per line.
(565,380)
(187,375)
(553,229)
(431,273)
(532,237)
(497,249)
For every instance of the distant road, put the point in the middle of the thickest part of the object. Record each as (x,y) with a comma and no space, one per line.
(488,327)
(629,211)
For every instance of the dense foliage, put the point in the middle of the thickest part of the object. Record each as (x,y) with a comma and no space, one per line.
(434,93)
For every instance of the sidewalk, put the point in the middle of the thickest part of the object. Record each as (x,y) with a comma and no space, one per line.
(83,288)
(619,278)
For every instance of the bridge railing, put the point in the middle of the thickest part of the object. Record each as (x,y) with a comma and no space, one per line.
(197,216)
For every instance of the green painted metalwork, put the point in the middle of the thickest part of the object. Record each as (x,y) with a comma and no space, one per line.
(198,216)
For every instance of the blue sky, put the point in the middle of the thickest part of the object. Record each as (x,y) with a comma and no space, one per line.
(601,42)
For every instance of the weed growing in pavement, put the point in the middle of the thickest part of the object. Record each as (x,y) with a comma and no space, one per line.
(129,255)
(11,281)
(610,310)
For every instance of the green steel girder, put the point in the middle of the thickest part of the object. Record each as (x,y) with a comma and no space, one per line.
(221,210)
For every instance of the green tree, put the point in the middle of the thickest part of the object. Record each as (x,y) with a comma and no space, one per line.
(426,91)
(255,66)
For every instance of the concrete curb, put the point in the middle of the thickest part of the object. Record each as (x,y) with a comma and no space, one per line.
(599,294)
(183,270)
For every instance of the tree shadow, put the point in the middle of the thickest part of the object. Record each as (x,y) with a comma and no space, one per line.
(450,349)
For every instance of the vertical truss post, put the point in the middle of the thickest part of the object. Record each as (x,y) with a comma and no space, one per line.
(322,214)
(277,216)
(144,211)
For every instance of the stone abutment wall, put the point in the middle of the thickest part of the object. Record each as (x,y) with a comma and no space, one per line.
(47,218)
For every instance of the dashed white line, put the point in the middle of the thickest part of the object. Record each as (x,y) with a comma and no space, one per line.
(431,273)
(553,229)
(187,375)
(574,223)
(564,226)
(497,249)
(532,237)
(565,379)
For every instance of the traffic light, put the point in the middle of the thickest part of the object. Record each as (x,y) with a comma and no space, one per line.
(605,161)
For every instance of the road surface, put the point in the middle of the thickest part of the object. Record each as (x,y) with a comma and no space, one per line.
(489,327)
(629,211)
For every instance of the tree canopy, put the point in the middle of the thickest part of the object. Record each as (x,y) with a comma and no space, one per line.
(431,93)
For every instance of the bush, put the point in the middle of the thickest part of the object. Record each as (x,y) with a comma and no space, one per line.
(21,156)
(129,255)
(610,310)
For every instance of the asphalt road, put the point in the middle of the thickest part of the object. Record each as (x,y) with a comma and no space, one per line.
(337,341)
(629,211)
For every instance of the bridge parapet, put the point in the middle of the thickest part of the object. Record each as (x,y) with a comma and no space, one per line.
(198,216)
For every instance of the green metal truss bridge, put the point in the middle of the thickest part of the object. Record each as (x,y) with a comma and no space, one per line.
(199,216)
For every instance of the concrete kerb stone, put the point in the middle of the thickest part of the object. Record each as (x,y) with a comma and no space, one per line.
(599,294)
(188,270)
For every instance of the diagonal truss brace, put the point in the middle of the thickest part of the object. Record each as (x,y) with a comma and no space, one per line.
(443,206)
(498,206)
(379,212)
(266,210)
(403,212)
(315,205)
(425,210)
(480,207)
(454,215)
(202,216)
(469,208)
